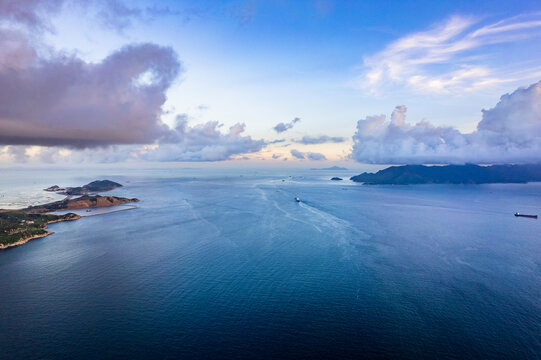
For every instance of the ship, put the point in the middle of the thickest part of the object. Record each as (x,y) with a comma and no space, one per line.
(528,216)
(297,199)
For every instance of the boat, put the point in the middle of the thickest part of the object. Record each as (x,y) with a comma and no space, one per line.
(528,216)
(297,199)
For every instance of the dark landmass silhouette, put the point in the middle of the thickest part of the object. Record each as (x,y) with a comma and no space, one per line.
(452,174)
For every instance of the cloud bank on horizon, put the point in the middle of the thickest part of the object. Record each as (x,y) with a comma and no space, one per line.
(508,132)
(56,105)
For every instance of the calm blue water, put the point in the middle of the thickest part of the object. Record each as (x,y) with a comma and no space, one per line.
(227,265)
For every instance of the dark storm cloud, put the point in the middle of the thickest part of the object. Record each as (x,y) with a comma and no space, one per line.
(66,101)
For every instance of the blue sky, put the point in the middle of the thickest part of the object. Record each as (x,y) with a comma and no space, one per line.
(329,63)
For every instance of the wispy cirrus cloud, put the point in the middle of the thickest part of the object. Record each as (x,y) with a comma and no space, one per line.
(115,14)
(454,56)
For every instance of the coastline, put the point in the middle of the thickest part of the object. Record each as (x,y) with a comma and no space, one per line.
(47,233)
(25,240)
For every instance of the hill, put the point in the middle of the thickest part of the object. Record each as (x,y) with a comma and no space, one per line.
(93,187)
(452,174)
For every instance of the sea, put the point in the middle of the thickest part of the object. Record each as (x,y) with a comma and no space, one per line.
(225,264)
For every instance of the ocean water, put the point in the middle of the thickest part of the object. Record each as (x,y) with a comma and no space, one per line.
(226,265)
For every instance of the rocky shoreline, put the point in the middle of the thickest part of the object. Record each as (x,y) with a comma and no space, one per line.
(38,236)
(18,227)
(82,202)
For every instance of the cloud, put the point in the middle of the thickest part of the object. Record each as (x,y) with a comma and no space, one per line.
(297,154)
(281,127)
(63,100)
(108,111)
(309,155)
(315,156)
(276,156)
(452,56)
(18,153)
(310,140)
(29,12)
(114,14)
(509,132)
(203,142)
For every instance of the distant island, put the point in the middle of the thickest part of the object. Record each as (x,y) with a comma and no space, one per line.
(82,202)
(336,168)
(20,226)
(452,174)
(93,187)
(336,178)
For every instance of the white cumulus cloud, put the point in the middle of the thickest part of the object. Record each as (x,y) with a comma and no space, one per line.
(508,132)
(203,142)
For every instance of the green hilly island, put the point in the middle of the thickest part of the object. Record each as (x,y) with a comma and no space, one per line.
(451,174)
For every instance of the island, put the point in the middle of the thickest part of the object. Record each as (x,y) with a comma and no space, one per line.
(452,174)
(93,187)
(82,202)
(336,178)
(20,226)
(336,168)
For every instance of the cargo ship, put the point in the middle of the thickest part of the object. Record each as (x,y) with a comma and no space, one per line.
(528,216)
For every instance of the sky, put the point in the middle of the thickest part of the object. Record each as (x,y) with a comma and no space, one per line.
(301,83)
